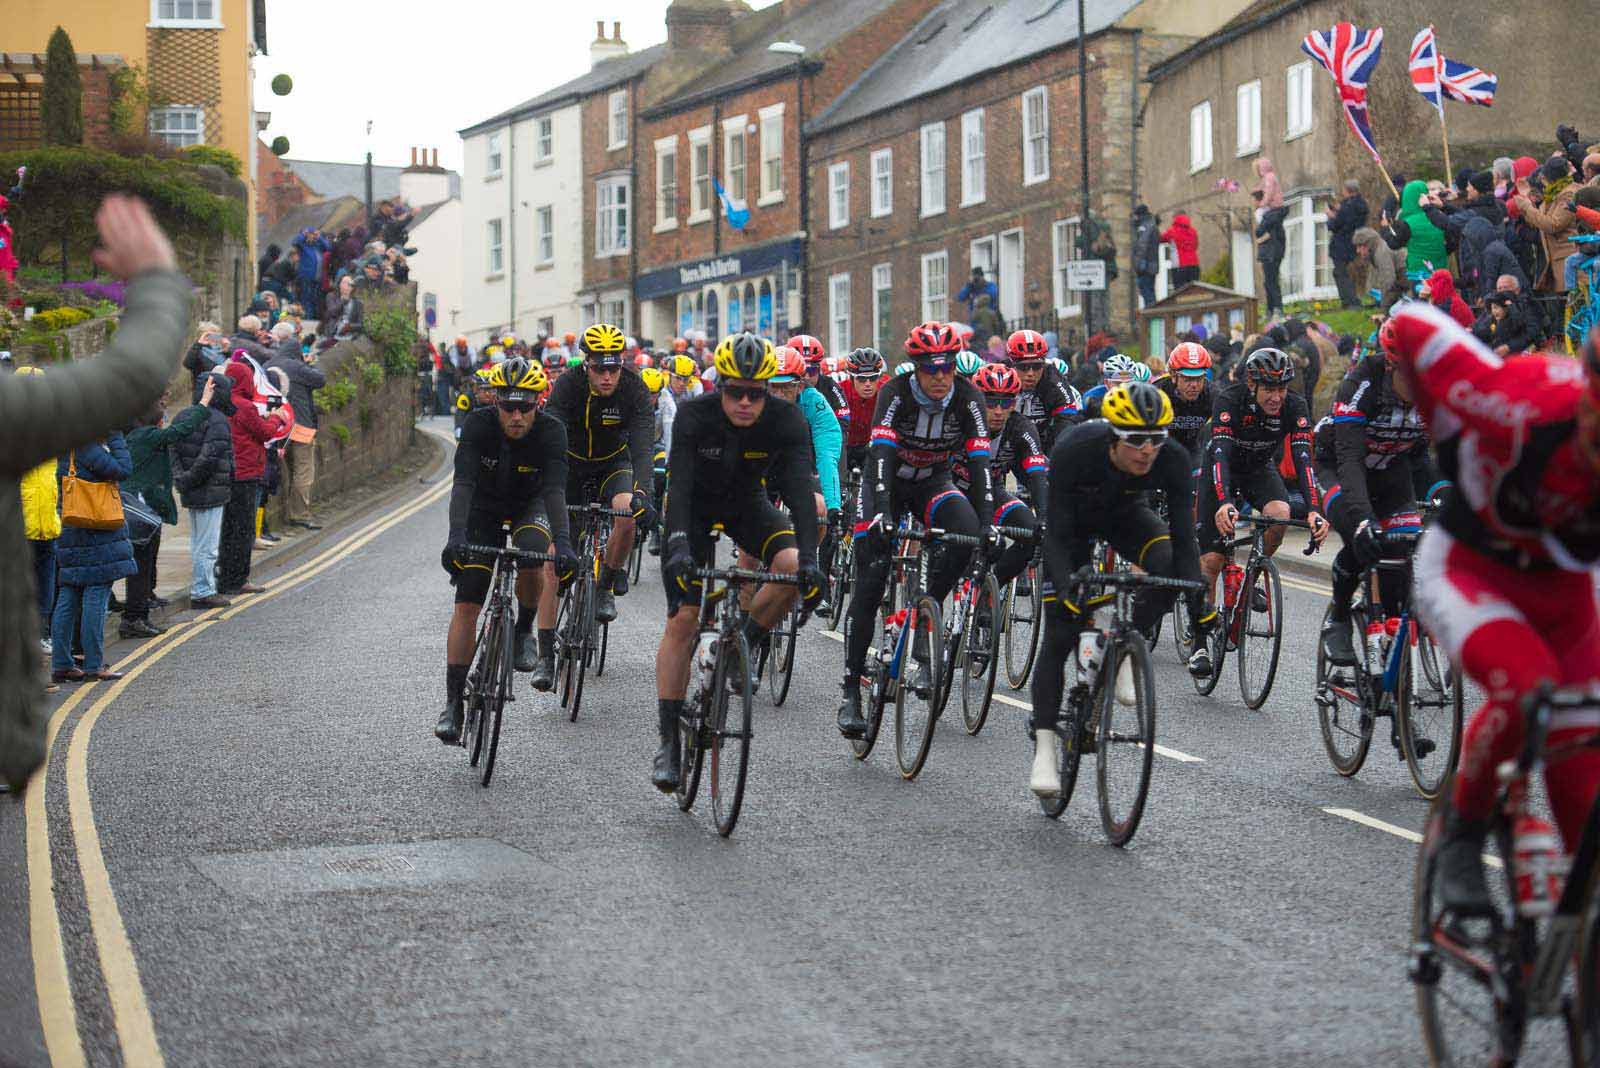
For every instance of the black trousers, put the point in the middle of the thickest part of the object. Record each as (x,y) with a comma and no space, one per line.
(1272,284)
(238,537)
(1348,297)
(142,586)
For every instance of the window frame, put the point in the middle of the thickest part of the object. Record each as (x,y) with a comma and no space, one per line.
(496,257)
(176,21)
(973,192)
(602,184)
(942,258)
(886,208)
(770,118)
(838,214)
(544,230)
(882,305)
(1030,152)
(1251,91)
(698,138)
(494,158)
(925,171)
(839,325)
(617,120)
(1305,232)
(735,128)
(666,147)
(167,111)
(1290,131)
(1066,232)
(1201,110)
(544,147)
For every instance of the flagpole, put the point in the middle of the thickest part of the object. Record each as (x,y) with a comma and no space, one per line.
(1449,171)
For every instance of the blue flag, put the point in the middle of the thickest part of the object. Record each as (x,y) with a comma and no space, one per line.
(737,217)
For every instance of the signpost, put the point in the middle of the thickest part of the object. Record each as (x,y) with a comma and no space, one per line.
(1085,276)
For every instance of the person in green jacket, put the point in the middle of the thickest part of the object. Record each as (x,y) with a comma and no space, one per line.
(151,482)
(69,406)
(1425,251)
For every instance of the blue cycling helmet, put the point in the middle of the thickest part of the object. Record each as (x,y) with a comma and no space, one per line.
(968,363)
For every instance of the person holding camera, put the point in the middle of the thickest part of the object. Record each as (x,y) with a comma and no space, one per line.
(300,453)
(251,432)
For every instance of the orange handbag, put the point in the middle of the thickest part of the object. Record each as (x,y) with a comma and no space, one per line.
(89,505)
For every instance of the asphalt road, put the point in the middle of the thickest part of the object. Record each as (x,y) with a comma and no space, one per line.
(305,876)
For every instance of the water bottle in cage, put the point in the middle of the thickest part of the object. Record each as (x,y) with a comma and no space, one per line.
(1091,645)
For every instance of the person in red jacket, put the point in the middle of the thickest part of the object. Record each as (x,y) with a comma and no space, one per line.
(251,431)
(1181,234)
(1440,291)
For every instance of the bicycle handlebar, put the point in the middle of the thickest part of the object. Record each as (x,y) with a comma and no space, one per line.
(520,555)
(1263,521)
(1087,576)
(740,574)
(598,509)
(916,532)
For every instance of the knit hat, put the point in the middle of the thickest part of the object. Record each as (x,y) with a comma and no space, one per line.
(1483,182)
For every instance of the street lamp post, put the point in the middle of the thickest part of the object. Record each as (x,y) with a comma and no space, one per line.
(798,51)
(1086,230)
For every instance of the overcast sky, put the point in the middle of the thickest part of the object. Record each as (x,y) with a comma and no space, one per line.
(421,71)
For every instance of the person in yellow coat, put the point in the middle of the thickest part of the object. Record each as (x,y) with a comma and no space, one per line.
(41,523)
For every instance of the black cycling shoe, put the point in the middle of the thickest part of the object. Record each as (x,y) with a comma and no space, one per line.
(1336,642)
(852,724)
(524,654)
(667,770)
(544,673)
(1459,867)
(619,582)
(1200,662)
(448,729)
(653,546)
(605,605)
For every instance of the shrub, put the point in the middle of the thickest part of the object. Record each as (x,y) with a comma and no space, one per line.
(130,96)
(371,374)
(61,103)
(95,292)
(1220,273)
(335,395)
(41,300)
(282,84)
(217,157)
(59,319)
(394,331)
(341,432)
(280,145)
(10,326)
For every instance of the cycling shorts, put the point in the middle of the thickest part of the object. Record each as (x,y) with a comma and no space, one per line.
(597,481)
(1259,487)
(754,525)
(472,576)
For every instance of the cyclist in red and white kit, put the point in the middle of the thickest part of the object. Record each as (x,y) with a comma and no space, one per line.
(1504,580)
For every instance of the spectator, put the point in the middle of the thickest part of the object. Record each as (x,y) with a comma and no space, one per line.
(1503,169)
(300,452)
(151,484)
(995,348)
(248,338)
(399,269)
(345,314)
(1503,326)
(351,243)
(1412,231)
(42,526)
(202,470)
(975,288)
(282,277)
(251,431)
(1381,264)
(265,307)
(1146,252)
(985,319)
(1552,218)
(1440,290)
(1270,247)
(308,275)
(372,274)
(87,563)
(1270,188)
(1350,216)
(1181,235)
(456,367)
(268,258)
(206,353)
(285,340)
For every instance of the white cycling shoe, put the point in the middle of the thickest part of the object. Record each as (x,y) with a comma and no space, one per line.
(1126,695)
(1045,781)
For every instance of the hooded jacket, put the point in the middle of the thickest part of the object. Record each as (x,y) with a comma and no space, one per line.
(1146,255)
(251,430)
(1182,235)
(148,448)
(202,461)
(304,381)
(95,557)
(1442,293)
(1425,249)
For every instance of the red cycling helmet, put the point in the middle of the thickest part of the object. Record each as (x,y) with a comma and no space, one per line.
(1189,358)
(1027,345)
(1389,340)
(998,377)
(932,339)
(643,360)
(809,348)
(791,365)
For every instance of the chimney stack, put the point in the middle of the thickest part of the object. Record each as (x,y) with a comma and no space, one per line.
(435,160)
(700,26)
(413,156)
(602,47)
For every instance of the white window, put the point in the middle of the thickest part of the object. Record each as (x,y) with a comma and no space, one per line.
(611,216)
(492,157)
(191,13)
(839,313)
(615,311)
(588,314)
(1247,118)
(497,251)
(700,175)
(544,140)
(1035,136)
(771,155)
(1307,272)
(666,183)
(882,182)
(935,286)
(981,253)
(933,168)
(544,232)
(882,319)
(839,195)
(178,126)
(972,162)
(733,169)
(617,128)
(1298,79)
(547,326)
(1063,250)
(1200,136)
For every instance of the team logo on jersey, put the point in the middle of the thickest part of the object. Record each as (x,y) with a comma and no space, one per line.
(489,462)
(755,454)
(1224,417)
(524,469)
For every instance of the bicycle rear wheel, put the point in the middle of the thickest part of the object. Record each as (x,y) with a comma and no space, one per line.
(494,702)
(980,660)
(1341,705)
(600,660)
(1260,633)
(1428,709)
(1125,743)
(1022,616)
(1218,645)
(915,716)
(1182,631)
(1071,740)
(691,753)
(781,659)
(843,580)
(730,737)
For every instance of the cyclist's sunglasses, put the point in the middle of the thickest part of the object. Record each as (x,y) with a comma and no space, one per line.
(866,376)
(518,406)
(604,368)
(1138,439)
(942,370)
(813,369)
(1006,401)
(745,393)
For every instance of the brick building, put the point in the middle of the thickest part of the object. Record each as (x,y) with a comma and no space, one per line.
(22,89)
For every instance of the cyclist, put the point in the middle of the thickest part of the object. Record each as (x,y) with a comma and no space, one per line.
(610,422)
(666,411)
(726,449)
(1372,453)
(683,377)
(922,420)
(1116,369)
(1249,425)
(812,352)
(482,396)
(827,438)
(1015,447)
(968,363)
(1504,579)
(1101,473)
(1046,398)
(510,468)
(1187,385)
(554,360)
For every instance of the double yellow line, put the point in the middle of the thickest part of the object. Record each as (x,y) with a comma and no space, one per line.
(130,1010)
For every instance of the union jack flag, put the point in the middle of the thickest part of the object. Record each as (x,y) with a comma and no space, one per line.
(1437,78)
(1349,54)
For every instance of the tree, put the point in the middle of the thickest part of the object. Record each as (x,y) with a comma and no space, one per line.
(61,104)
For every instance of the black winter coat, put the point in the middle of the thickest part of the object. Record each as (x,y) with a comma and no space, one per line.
(303,378)
(202,463)
(1271,227)
(1351,216)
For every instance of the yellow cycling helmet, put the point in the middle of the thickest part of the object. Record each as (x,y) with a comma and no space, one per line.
(1136,406)
(652,379)
(482,374)
(684,367)
(492,351)
(517,374)
(745,356)
(603,344)
(463,403)
(508,340)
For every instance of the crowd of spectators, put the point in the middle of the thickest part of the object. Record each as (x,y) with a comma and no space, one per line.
(311,272)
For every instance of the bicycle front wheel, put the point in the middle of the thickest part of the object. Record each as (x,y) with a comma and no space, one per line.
(1428,708)
(781,660)
(843,579)
(1260,633)
(1125,742)
(1218,644)
(691,751)
(1021,621)
(980,660)
(730,733)
(1341,705)
(605,639)
(581,645)
(494,701)
(916,714)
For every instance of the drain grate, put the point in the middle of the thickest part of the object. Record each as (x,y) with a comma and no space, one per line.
(380,866)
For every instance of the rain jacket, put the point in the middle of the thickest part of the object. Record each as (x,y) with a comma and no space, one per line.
(1182,235)
(826,441)
(87,557)
(1442,292)
(1425,249)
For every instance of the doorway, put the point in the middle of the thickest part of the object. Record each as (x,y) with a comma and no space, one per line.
(1011,271)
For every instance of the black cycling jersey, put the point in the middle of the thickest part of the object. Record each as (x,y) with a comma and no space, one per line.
(602,428)
(833,393)
(1016,449)
(1371,429)
(1052,404)
(514,479)
(1189,418)
(718,468)
(1245,439)
(914,439)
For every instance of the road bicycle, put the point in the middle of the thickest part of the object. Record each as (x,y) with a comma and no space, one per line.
(1121,736)
(712,724)
(1521,984)
(970,647)
(1251,617)
(1401,674)
(581,640)
(775,657)
(488,687)
(841,576)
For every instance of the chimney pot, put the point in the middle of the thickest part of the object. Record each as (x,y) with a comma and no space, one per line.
(413,156)
(599,29)
(616,31)
(435,157)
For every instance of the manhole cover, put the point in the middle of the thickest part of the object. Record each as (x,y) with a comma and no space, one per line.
(386,866)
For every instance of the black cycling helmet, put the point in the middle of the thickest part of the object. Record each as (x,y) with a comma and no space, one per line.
(866,362)
(1268,367)
(745,356)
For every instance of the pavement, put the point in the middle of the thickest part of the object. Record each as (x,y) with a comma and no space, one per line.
(265,858)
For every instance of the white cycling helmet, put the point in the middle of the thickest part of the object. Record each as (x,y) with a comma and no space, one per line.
(1118,368)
